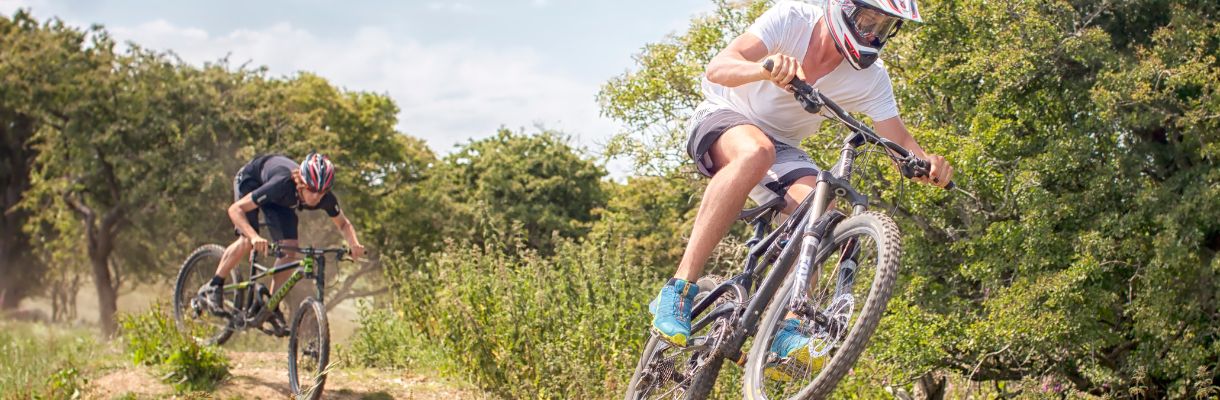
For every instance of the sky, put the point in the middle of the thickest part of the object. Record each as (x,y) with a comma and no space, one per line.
(457,69)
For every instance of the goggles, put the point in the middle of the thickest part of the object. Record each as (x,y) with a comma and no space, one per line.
(870,26)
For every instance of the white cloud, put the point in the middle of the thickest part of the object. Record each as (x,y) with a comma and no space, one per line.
(448,92)
(539,3)
(8,7)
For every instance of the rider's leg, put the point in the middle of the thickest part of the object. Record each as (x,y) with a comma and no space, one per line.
(742,155)
(211,291)
(237,251)
(283,223)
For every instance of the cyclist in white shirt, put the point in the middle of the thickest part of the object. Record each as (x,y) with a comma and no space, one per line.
(745,136)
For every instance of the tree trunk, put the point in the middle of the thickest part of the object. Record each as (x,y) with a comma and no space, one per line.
(99,239)
(21,272)
(930,386)
(107,296)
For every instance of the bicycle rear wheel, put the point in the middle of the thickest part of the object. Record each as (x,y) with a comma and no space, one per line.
(308,350)
(858,267)
(666,371)
(191,316)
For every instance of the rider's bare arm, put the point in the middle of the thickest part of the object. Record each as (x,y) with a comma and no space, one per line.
(739,64)
(349,234)
(893,129)
(237,213)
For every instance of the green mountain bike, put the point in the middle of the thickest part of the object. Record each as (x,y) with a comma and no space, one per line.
(831,272)
(249,304)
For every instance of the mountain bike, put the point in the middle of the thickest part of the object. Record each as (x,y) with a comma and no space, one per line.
(249,304)
(831,273)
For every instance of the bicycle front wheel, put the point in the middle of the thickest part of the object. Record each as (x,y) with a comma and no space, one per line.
(308,350)
(852,277)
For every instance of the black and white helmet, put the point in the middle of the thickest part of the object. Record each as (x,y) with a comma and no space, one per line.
(861,27)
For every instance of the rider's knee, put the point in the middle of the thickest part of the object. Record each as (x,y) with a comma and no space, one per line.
(759,157)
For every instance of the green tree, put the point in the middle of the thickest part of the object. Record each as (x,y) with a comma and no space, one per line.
(654,101)
(126,137)
(536,180)
(39,55)
(648,218)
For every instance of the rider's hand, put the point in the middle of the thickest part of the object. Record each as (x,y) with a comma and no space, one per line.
(357,251)
(260,244)
(939,174)
(784,69)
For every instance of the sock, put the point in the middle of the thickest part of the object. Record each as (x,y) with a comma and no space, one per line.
(218,281)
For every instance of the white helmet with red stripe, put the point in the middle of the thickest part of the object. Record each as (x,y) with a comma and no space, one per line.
(317,172)
(861,27)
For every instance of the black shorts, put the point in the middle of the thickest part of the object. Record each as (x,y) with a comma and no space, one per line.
(282,221)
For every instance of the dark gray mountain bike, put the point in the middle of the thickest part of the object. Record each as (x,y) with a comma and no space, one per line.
(249,304)
(845,267)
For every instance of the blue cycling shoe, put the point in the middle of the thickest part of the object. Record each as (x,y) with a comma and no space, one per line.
(671,311)
(793,350)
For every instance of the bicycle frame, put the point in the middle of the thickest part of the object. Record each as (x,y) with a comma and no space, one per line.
(310,267)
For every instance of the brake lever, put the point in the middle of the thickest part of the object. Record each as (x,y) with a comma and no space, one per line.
(919,168)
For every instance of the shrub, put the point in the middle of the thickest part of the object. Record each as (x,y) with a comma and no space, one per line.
(514,322)
(153,339)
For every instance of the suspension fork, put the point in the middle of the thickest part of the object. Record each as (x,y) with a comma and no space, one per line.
(810,241)
(819,228)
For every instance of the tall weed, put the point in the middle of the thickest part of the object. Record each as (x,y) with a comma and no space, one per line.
(153,339)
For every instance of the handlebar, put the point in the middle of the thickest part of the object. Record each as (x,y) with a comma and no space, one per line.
(813,101)
(341,253)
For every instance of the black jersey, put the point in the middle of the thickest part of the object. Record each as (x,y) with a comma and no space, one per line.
(273,176)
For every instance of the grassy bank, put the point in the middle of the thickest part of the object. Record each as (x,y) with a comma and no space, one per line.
(49,361)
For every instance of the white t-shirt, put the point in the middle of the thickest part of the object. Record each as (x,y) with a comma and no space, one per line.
(786,28)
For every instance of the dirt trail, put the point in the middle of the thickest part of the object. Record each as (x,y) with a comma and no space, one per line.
(264,375)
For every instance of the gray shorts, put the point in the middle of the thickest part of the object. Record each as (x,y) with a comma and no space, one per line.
(791,163)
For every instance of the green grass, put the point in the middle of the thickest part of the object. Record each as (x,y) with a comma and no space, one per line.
(48,361)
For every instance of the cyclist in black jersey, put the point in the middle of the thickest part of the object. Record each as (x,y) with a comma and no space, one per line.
(278,187)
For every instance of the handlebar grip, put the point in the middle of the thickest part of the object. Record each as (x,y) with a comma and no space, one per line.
(797,83)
